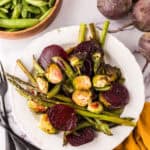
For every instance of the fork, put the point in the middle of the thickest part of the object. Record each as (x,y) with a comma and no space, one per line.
(3,89)
(13,137)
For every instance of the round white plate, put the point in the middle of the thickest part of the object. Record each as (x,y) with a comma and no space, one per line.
(117,54)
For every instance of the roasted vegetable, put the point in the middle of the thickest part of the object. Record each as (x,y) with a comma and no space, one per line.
(54,74)
(117,97)
(36,107)
(82,83)
(45,125)
(82,98)
(95,107)
(42,85)
(49,52)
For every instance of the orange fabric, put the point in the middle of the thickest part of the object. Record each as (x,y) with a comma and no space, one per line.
(139,139)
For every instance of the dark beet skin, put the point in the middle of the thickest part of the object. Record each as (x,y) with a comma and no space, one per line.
(84,51)
(118,96)
(62,117)
(141,12)
(144,45)
(49,52)
(84,136)
(114,9)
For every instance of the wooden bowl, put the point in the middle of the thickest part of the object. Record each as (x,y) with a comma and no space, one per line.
(34,29)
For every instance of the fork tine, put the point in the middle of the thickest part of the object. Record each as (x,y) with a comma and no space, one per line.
(2,74)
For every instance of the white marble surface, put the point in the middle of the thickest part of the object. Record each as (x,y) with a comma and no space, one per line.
(72,12)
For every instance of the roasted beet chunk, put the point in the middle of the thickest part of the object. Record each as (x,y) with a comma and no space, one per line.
(83,136)
(117,97)
(49,52)
(62,117)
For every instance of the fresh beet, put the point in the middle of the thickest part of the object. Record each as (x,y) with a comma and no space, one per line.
(114,9)
(117,97)
(49,52)
(141,12)
(144,48)
(83,136)
(62,117)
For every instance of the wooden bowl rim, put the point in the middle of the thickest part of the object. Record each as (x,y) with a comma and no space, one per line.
(21,32)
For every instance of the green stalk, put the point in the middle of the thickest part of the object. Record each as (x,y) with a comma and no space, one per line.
(63,98)
(82,33)
(26,72)
(104,32)
(112,119)
(54,91)
(93,31)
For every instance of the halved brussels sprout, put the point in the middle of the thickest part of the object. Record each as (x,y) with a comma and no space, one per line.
(82,82)
(42,84)
(95,107)
(82,98)
(54,74)
(45,125)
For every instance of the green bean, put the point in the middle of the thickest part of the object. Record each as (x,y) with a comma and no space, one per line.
(3,2)
(104,32)
(16,12)
(63,98)
(45,14)
(14,2)
(24,12)
(51,3)
(18,23)
(37,3)
(82,33)
(26,72)
(44,9)
(54,91)
(3,15)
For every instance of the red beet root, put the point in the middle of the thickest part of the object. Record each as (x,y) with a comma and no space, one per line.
(49,52)
(83,136)
(117,97)
(62,117)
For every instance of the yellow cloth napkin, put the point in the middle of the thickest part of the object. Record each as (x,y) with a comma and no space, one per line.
(139,139)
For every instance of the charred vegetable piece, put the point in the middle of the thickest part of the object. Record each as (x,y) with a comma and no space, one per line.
(82,82)
(54,74)
(95,107)
(117,97)
(62,117)
(114,9)
(64,66)
(67,87)
(45,125)
(100,81)
(49,52)
(42,85)
(82,98)
(83,136)
(141,13)
(36,107)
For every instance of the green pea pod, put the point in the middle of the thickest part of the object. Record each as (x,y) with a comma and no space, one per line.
(3,15)
(18,23)
(16,12)
(4,10)
(37,3)
(3,2)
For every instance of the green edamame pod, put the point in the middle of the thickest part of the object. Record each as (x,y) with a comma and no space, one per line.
(16,12)
(14,2)
(44,9)
(46,14)
(24,11)
(33,9)
(7,6)
(3,2)
(36,3)
(17,23)
(4,10)
(3,15)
